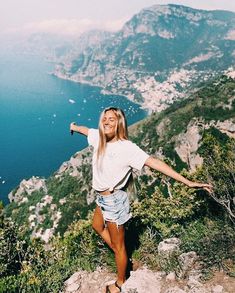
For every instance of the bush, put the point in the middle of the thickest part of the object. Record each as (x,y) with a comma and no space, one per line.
(147,250)
(211,239)
(218,151)
(166,214)
(11,249)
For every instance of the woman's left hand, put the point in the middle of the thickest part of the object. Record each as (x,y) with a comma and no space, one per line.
(205,186)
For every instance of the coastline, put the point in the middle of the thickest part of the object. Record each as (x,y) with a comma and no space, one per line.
(39,104)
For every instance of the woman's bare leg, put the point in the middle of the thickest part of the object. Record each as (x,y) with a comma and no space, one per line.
(117,235)
(114,236)
(98,226)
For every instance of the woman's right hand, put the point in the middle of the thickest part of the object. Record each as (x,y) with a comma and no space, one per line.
(72,126)
(80,129)
(205,186)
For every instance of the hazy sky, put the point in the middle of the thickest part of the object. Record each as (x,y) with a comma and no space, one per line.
(75,16)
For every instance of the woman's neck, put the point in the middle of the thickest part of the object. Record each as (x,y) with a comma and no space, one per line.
(111,139)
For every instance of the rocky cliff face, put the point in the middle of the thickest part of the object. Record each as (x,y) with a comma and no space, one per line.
(188,143)
(159,53)
(46,207)
(26,188)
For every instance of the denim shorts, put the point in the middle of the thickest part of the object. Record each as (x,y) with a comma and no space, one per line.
(115,207)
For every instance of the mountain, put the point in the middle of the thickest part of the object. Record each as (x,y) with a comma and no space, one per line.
(48,45)
(47,206)
(196,137)
(158,55)
(53,46)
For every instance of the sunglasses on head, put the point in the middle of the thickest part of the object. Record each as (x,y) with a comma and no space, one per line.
(111,108)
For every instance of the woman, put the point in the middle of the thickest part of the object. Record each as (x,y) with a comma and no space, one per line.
(114,156)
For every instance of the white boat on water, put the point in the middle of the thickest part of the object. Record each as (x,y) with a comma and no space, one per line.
(71,101)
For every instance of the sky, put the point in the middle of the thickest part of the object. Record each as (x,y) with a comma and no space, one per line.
(76,16)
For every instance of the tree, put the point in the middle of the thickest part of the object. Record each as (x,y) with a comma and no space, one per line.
(219,166)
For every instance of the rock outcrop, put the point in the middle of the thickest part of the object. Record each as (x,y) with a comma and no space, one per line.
(169,246)
(186,280)
(26,188)
(144,280)
(187,144)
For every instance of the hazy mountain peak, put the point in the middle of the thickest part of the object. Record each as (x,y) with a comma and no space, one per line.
(161,52)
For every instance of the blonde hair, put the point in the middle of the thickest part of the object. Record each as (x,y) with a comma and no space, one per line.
(121,132)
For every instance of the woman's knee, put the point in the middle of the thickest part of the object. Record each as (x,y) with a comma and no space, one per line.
(97,227)
(118,247)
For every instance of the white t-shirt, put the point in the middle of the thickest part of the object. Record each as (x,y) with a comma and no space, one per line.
(113,169)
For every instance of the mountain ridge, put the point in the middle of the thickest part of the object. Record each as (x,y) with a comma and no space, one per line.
(158,55)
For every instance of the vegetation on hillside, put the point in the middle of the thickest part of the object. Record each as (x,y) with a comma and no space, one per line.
(203,222)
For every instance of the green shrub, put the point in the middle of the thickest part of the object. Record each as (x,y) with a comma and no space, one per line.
(146,253)
(213,240)
(167,214)
(218,151)
(10,249)
(9,284)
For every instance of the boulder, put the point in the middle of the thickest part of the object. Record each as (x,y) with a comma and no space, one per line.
(142,281)
(168,246)
(85,282)
(196,287)
(186,262)
(73,283)
(217,289)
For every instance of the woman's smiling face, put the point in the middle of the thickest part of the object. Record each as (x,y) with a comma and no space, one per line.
(110,124)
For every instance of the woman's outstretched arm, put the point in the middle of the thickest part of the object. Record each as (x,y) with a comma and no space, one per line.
(80,129)
(162,167)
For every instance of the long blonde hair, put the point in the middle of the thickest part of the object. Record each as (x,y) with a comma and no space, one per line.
(121,132)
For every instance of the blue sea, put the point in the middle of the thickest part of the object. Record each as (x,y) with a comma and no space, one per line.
(36,109)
